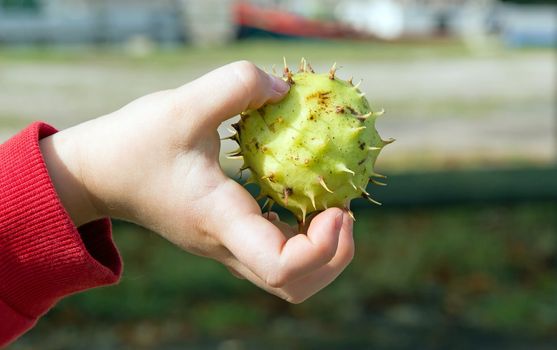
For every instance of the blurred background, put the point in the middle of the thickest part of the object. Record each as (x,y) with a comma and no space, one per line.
(463,252)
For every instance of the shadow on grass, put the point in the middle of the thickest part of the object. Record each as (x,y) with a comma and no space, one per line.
(454,277)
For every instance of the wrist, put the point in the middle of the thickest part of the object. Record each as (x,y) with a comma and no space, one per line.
(61,155)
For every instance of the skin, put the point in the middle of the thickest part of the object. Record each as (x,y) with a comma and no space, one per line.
(155,163)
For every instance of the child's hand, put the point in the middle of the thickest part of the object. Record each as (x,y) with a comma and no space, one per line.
(155,162)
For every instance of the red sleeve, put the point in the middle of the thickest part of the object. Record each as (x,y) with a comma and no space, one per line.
(43,256)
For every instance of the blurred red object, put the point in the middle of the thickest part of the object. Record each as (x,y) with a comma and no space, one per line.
(255,20)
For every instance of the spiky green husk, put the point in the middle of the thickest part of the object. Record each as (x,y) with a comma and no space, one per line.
(316,148)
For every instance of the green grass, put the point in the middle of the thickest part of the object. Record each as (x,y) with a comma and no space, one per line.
(456,273)
(256,50)
(12,122)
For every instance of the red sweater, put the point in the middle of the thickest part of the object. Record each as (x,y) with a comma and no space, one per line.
(43,256)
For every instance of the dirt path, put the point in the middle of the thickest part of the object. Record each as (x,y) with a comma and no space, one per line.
(447,112)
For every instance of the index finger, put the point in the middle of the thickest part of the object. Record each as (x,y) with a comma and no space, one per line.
(263,248)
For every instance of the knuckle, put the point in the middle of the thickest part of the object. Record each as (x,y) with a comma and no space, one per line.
(245,65)
(296,299)
(174,104)
(277,281)
(247,74)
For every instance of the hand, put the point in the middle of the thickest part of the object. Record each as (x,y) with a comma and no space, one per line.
(155,163)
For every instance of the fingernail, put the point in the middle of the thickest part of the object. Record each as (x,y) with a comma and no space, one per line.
(279,85)
(338,221)
(271,216)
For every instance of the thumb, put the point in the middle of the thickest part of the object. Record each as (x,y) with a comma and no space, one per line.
(228,91)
